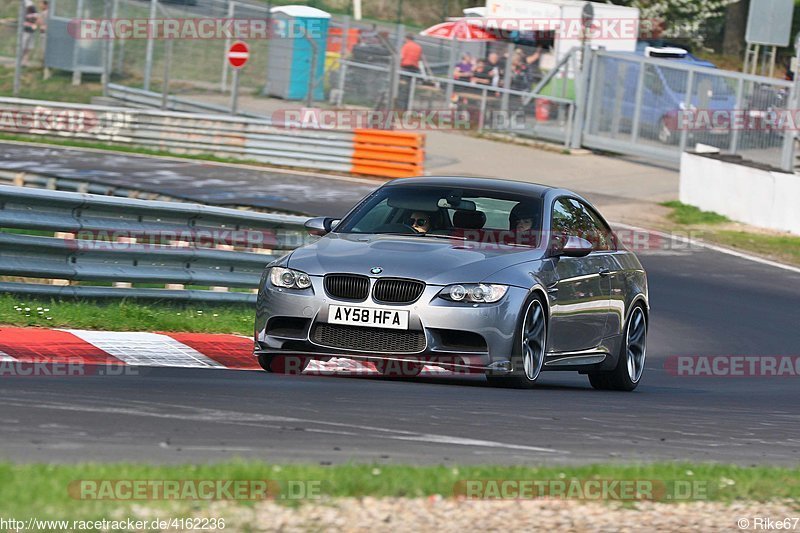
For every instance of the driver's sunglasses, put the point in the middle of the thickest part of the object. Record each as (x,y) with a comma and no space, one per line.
(417,221)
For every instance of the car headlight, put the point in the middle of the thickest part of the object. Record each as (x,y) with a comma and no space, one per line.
(289,279)
(473,292)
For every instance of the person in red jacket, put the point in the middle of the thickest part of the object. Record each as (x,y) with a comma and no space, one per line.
(410,55)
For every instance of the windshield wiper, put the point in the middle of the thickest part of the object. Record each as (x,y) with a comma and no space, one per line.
(437,236)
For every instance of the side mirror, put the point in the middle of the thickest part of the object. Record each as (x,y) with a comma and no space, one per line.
(320,225)
(575,247)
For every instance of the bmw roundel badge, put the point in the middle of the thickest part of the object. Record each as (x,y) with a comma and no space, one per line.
(376,270)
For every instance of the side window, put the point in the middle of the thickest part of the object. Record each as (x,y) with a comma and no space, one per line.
(563,217)
(606,239)
(572,218)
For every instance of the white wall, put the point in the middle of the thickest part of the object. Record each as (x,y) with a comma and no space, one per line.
(757,197)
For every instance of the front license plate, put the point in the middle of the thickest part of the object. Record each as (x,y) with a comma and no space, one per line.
(367,316)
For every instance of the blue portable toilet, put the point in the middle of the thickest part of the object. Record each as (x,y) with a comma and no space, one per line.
(290,52)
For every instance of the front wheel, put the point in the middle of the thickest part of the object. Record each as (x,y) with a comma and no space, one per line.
(630,366)
(529,350)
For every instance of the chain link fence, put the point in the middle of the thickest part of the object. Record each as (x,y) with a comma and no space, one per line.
(662,108)
(625,103)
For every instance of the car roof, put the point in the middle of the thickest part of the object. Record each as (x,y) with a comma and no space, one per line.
(489,184)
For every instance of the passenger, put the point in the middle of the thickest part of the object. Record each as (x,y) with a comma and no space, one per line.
(522,221)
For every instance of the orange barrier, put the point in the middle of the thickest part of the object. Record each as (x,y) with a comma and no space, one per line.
(390,154)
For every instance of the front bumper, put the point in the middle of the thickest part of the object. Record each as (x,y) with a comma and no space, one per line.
(466,337)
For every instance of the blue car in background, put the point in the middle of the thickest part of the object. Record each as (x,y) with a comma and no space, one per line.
(663,94)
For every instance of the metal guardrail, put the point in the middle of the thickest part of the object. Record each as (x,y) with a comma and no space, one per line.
(153,100)
(120,240)
(222,136)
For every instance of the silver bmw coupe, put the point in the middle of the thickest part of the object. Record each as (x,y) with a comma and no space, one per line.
(471,275)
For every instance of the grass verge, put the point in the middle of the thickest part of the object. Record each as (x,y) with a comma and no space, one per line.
(689,214)
(718,229)
(124,315)
(57,88)
(45,490)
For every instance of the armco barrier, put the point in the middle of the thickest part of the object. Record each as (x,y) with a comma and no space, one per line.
(120,240)
(367,152)
(388,153)
(743,192)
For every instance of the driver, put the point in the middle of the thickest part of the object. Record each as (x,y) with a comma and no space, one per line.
(420,221)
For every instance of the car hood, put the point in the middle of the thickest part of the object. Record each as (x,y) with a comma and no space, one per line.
(436,261)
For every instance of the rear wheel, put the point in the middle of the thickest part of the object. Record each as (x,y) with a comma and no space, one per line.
(283,364)
(530,346)
(630,365)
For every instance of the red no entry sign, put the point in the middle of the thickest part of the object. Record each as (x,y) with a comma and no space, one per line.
(238,54)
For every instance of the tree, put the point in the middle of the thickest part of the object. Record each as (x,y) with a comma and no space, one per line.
(735,26)
(681,19)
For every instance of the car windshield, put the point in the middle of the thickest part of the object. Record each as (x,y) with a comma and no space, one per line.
(459,213)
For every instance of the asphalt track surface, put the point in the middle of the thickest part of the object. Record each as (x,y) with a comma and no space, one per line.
(191,180)
(703,303)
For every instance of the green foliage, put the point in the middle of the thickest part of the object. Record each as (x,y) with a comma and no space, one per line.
(689,214)
(126,315)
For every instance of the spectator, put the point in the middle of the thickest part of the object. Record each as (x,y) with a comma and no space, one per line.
(534,68)
(496,70)
(370,36)
(410,55)
(464,69)
(482,74)
(43,14)
(28,30)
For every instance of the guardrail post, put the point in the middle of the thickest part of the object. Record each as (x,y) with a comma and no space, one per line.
(148,62)
(687,105)
(482,116)
(18,59)
(67,236)
(637,106)
(738,106)
(105,54)
(165,81)
(582,96)
(76,72)
(448,92)
(411,90)
(789,139)
(225,67)
(507,78)
(342,76)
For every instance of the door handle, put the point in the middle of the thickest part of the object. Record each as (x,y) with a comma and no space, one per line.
(604,272)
